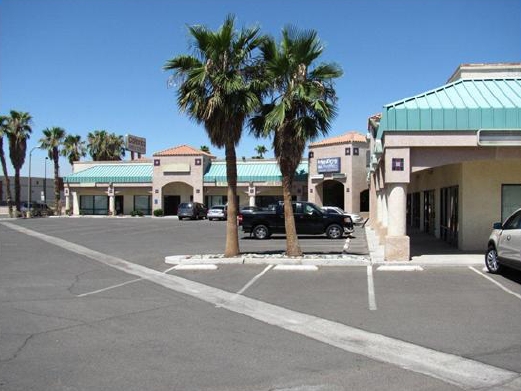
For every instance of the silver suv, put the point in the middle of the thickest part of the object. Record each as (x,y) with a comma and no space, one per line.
(504,244)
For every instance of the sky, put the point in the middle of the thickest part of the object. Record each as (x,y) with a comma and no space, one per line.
(88,65)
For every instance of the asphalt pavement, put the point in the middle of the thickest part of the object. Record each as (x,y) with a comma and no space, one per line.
(91,304)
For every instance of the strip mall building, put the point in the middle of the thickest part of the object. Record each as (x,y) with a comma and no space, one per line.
(448,161)
(338,168)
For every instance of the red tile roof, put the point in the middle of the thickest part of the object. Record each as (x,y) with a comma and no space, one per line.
(182,150)
(349,137)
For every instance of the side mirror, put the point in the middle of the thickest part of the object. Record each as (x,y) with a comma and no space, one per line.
(497,226)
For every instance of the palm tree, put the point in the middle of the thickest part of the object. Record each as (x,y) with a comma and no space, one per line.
(216,88)
(105,146)
(3,130)
(205,148)
(261,150)
(73,148)
(51,141)
(301,107)
(18,132)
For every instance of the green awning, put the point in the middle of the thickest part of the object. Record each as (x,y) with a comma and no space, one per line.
(253,171)
(464,105)
(115,173)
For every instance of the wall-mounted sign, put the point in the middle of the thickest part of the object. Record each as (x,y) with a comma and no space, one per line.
(330,164)
(136,144)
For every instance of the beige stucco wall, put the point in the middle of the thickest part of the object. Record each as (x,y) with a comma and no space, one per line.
(481,192)
(193,177)
(354,168)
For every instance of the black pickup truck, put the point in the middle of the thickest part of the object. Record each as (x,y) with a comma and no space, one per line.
(309,220)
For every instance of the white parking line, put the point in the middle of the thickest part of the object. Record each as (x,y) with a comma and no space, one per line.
(252,281)
(497,283)
(370,288)
(450,368)
(109,288)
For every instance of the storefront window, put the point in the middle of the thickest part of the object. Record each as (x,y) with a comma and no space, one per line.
(94,205)
(143,203)
(510,200)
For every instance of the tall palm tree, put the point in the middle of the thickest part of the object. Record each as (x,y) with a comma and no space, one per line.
(105,146)
(18,132)
(51,141)
(216,88)
(205,148)
(3,131)
(301,106)
(261,150)
(73,148)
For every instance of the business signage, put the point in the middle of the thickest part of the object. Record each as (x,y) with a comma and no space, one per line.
(136,144)
(330,164)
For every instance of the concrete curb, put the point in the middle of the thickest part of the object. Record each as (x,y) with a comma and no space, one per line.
(254,259)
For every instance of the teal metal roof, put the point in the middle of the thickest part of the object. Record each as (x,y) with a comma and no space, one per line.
(466,104)
(115,173)
(253,171)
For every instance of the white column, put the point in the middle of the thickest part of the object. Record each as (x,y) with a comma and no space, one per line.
(75,203)
(112,205)
(397,203)
(252,200)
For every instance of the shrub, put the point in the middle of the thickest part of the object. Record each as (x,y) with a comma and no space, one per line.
(159,213)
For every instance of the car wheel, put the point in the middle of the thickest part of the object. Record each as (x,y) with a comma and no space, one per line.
(334,231)
(261,232)
(491,261)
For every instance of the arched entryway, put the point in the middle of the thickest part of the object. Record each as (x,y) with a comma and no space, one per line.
(332,193)
(175,193)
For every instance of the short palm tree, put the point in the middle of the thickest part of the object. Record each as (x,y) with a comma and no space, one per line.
(205,148)
(73,148)
(216,88)
(104,146)
(261,150)
(301,106)
(52,141)
(18,132)
(3,131)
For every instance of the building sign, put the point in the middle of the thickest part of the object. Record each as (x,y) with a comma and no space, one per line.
(330,164)
(136,144)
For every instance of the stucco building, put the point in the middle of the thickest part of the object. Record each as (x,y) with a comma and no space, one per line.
(448,161)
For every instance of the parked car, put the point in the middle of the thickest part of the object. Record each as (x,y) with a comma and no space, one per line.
(504,244)
(217,212)
(309,219)
(191,210)
(357,219)
(35,208)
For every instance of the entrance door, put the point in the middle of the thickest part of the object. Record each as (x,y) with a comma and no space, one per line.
(428,212)
(449,215)
(118,205)
(333,194)
(170,203)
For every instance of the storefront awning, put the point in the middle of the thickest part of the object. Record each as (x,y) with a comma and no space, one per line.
(464,105)
(253,171)
(115,173)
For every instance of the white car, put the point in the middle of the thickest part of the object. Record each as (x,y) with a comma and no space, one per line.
(217,212)
(504,244)
(357,219)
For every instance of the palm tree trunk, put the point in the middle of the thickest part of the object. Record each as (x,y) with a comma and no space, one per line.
(57,201)
(232,233)
(292,244)
(17,188)
(8,195)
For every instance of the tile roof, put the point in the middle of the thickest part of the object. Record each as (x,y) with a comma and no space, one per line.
(466,104)
(349,137)
(254,171)
(182,150)
(115,173)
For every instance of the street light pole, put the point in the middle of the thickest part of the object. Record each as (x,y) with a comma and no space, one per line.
(29,185)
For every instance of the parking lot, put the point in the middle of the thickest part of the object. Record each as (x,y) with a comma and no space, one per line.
(90,304)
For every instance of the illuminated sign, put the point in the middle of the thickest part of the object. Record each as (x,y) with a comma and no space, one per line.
(136,144)
(330,164)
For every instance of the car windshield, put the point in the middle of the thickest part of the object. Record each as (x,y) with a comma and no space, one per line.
(184,206)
